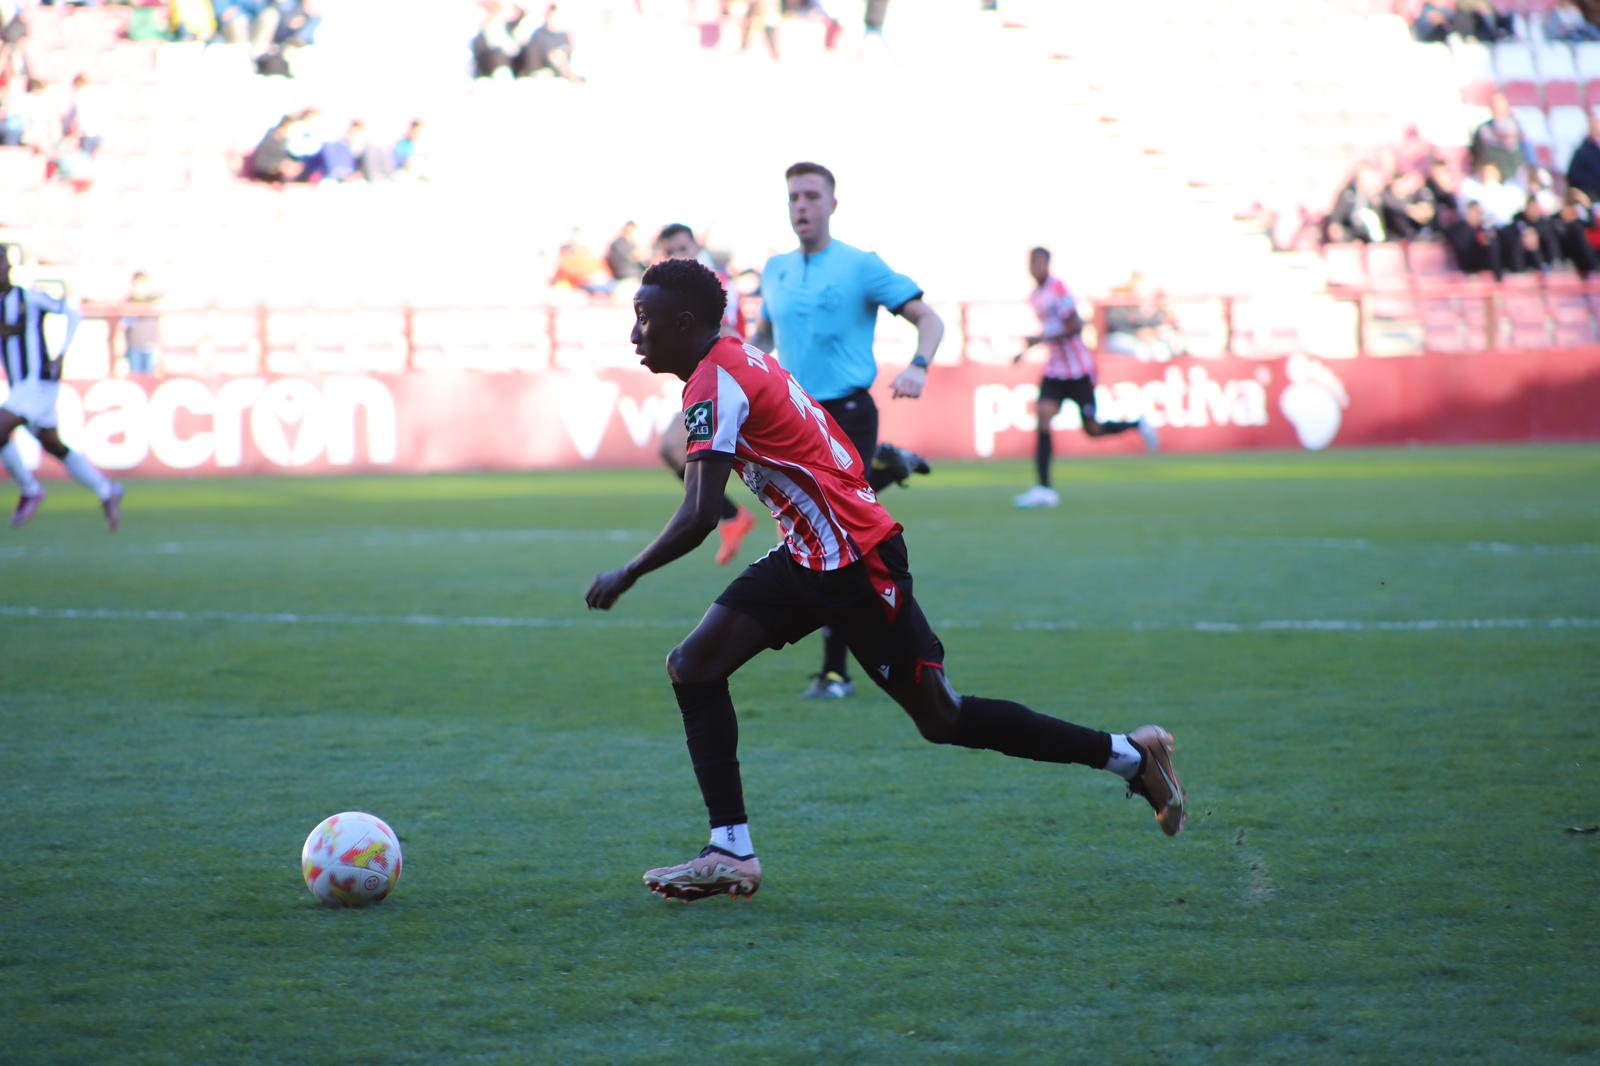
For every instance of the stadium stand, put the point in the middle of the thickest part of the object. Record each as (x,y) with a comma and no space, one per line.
(1200,144)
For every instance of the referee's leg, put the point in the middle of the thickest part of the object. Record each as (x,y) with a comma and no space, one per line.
(857,415)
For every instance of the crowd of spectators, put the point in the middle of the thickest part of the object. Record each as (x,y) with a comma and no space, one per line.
(511,42)
(301,147)
(1505,214)
(66,127)
(1441,21)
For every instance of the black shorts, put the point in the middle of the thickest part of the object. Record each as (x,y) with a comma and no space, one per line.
(869,603)
(857,415)
(1079,390)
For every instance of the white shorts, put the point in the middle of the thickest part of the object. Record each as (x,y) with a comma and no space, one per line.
(34,402)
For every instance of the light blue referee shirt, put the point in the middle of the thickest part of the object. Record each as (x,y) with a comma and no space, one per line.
(824,308)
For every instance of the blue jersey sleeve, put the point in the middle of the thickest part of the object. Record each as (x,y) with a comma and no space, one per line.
(884,286)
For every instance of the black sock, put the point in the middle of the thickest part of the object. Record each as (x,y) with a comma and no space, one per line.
(835,652)
(1111,429)
(712,732)
(729,509)
(1043,446)
(1012,729)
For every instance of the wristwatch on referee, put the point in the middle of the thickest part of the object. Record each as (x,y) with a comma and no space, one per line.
(920,361)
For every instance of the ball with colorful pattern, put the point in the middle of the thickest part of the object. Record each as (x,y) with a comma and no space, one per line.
(351,859)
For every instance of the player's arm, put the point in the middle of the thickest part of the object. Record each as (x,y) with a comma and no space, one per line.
(49,303)
(1071,326)
(930,332)
(705,479)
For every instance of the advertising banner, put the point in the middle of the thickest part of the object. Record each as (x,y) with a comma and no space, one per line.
(441,421)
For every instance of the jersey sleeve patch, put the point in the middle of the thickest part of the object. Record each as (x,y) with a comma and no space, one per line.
(699,420)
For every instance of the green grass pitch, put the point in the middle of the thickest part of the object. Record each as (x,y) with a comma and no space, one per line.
(1382,668)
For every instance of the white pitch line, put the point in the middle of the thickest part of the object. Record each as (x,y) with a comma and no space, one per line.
(439,621)
(368,538)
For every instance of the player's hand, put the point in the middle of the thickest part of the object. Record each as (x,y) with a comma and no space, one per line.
(607,588)
(909,382)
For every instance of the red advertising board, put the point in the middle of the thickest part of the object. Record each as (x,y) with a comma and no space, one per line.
(443,421)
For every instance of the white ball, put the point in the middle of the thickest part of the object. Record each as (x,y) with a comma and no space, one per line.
(351,860)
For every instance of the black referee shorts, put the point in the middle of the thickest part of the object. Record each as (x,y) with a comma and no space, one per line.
(857,415)
(869,603)
(1079,390)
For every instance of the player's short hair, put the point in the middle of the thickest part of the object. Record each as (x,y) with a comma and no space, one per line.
(698,290)
(1040,250)
(671,230)
(810,168)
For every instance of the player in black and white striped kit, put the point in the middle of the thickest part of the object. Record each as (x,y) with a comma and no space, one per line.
(35,378)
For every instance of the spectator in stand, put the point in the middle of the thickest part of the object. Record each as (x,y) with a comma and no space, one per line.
(1500,141)
(1444,188)
(1357,213)
(1479,19)
(139,329)
(85,113)
(298,28)
(622,258)
(547,47)
(270,160)
(494,49)
(252,22)
(72,163)
(1549,238)
(13,32)
(191,20)
(31,121)
(409,158)
(1583,171)
(1577,212)
(341,158)
(1434,23)
(1477,245)
(1410,211)
(305,140)
(577,267)
(1140,327)
(1500,201)
(1565,22)
(758,14)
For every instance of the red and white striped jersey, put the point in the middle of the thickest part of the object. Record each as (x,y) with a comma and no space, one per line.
(740,403)
(1069,358)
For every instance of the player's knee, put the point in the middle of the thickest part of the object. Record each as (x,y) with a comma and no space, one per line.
(1093,428)
(684,667)
(53,446)
(936,713)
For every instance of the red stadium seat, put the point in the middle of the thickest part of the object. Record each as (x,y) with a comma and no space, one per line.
(1428,260)
(1386,266)
(1345,263)
(1523,321)
(1573,319)
(1562,94)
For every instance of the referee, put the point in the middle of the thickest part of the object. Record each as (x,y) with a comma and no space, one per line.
(819,307)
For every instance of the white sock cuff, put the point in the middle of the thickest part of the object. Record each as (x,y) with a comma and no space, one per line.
(11,458)
(1125,757)
(734,839)
(84,472)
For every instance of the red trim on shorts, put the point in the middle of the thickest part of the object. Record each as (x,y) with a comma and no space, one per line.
(916,677)
(889,594)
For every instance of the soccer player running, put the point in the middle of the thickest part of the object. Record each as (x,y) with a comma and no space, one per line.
(677,241)
(1069,375)
(819,303)
(843,563)
(35,381)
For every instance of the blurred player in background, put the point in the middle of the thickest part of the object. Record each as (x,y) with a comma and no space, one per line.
(35,379)
(819,308)
(843,563)
(1068,375)
(677,241)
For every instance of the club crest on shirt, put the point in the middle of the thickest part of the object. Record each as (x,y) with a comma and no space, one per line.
(697,421)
